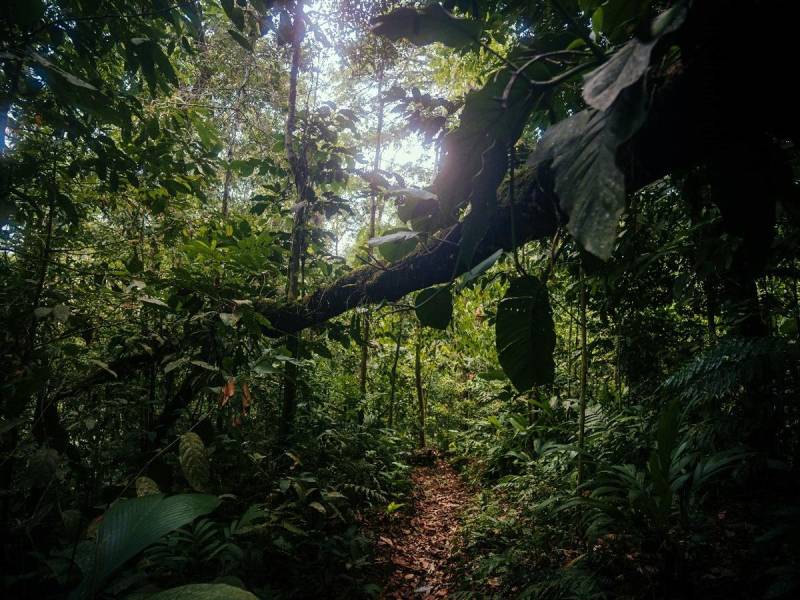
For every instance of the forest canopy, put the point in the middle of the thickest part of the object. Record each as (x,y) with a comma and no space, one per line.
(390,299)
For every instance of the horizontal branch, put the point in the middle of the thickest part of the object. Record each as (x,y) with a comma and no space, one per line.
(689,122)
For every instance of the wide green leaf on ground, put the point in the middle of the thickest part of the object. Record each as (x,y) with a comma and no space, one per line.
(525,335)
(130,526)
(204,591)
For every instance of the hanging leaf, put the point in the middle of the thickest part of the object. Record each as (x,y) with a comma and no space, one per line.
(602,86)
(525,335)
(129,527)
(582,150)
(426,26)
(413,193)
(146,487)
(481,268)
(227,392)
(69,77)
(241,40)
(395,243)
(235,14)
(61,313)
(246,398)
(434,307)
(155,302)
(400,235)
(194,461)
(628,64)
(230,319)
(204,591)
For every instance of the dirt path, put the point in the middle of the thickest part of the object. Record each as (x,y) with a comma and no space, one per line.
(418,545)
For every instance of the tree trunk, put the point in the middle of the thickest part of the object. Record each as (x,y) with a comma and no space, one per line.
(376,164)
(569,357)
(584,373)
(418,382)
(393,376)
(618,363)
(297,164)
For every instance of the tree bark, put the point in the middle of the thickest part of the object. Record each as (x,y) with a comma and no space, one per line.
(376,164)
(584,376)
(688,123)
(393,376)
(418,382)
(298,166)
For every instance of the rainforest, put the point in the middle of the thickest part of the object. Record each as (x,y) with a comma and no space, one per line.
(399,299)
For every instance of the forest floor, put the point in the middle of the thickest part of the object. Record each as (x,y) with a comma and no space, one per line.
(417,545)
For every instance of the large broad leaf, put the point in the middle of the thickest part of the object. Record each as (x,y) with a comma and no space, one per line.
(426,26)
(130,526)
(434,307)
(204,591)
(481,268)
(628,64)
(396,243)
(53,69)
(525,335)
(582,150)
(626,67)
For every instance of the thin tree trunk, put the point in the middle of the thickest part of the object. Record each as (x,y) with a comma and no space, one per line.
(226,190)
(584,373)
(795,306)
(297,164)
(376,164)
(569,357)
(393,376)
(711,310)
(420,394)
(617,363)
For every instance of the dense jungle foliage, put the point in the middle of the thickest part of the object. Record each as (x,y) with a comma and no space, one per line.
(261,259)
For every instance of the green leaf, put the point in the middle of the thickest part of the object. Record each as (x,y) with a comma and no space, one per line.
(395,243)
(525,335)
(434,307)
(480,268)
(51,68)
(602,86)
(155,302)
(194,461)
(40,312)
(582,150)
(670,20)
(235,14)
(241,40)
(628,64)
(412,193)
(134,264)
(230,319)
(130,526)
(204,591)
(426,26)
